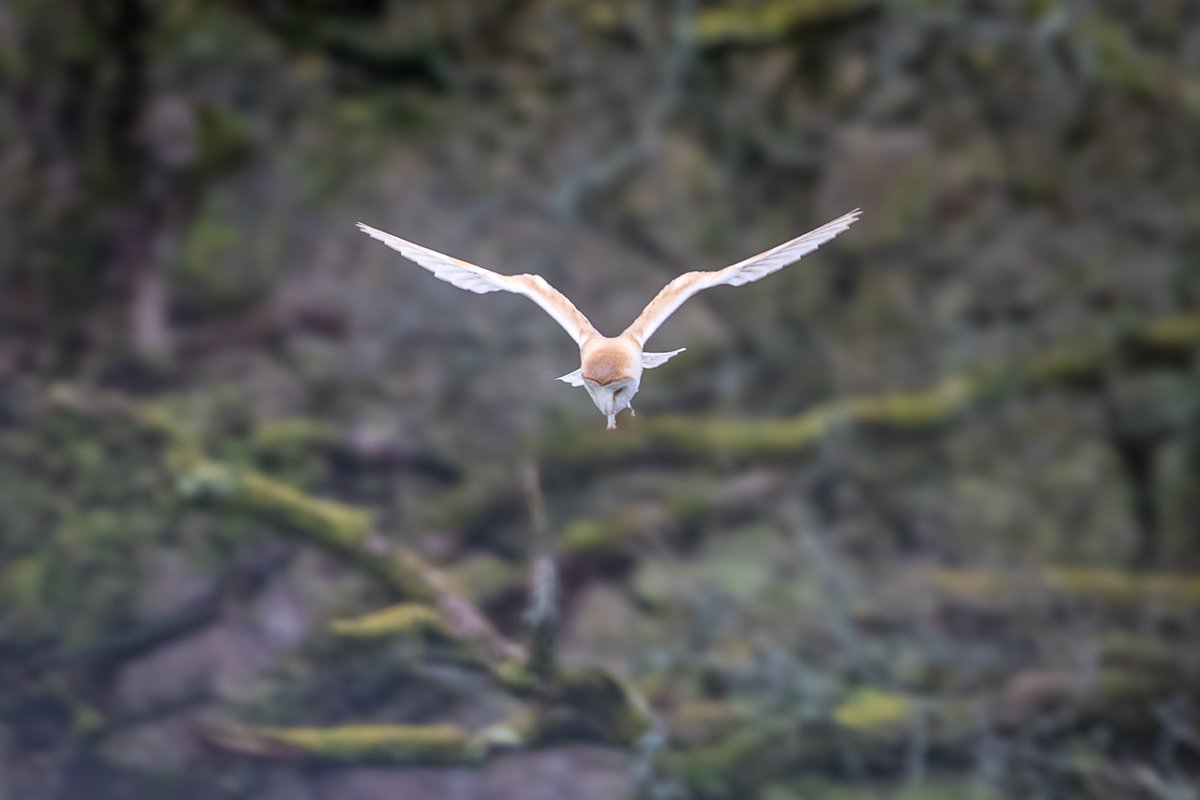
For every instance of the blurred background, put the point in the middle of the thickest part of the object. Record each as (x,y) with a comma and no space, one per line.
(283,516)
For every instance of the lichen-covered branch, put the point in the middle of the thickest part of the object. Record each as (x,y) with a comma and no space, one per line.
(1167,341)
(753,23)
(579,450)
(563,703)
(1103,588)
(348,534)
(580,705)
(873,729)
(353,744)
(342,531)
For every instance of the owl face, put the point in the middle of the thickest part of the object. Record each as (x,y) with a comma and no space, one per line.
(612,398)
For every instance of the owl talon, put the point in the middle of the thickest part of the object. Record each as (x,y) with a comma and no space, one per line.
(632,413)
(612,422)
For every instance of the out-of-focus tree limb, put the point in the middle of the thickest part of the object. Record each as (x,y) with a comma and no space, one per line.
(562,703)
(581,705)
(1165,342)
(348,534)
(735,23)
(581,449)
(873,728)
(1103,588)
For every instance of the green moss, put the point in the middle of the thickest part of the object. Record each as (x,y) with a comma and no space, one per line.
(209,240)
(873,711)
(1122,588)
(486,494)
(289,435)
(586,536)
(328,523)
(1180,331)
(915,410)
(580,702)
(769,19)
(934,789)
(21,584)
(324,523)
(225,141)
(80,500)
(689,437)
(971,585)
(398,619)
(483,577)
(1120,62)
(1134,651)
(611,709)
(692,506)
(725,440)
(391,744)
(1078,366)
(514,675)
(85,718)
(206,479)
(611,535)
(340,530)
(1106,587)
(736,764)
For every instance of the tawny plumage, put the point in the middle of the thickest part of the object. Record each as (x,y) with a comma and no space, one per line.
(611,368)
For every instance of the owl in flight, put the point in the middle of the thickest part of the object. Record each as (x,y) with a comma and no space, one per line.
(611,368)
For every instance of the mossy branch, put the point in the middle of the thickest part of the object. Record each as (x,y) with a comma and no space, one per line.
(347,534)
(579,450)
(730,24)
(1170,341)
(584,705)
(353,744)
(873,728)
(342,531)
(606,546)
(395,621)
(565,703)
(1113,589)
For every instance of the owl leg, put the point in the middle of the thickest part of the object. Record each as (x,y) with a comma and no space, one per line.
(632,413)
(612,421)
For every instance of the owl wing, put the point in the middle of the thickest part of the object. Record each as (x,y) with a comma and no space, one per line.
(677,291)
(481,281)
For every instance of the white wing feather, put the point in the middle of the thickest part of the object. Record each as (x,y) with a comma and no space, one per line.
(679,290)
(476,279)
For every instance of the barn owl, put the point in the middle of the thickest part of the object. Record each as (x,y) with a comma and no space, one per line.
(611,368)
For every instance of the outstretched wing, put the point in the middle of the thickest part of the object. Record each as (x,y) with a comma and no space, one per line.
(481,281)
(677,291)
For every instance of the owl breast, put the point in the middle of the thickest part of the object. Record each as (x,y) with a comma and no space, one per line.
(608,363)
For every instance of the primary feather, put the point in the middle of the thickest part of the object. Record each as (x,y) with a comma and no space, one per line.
(675,293)
(476,279)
